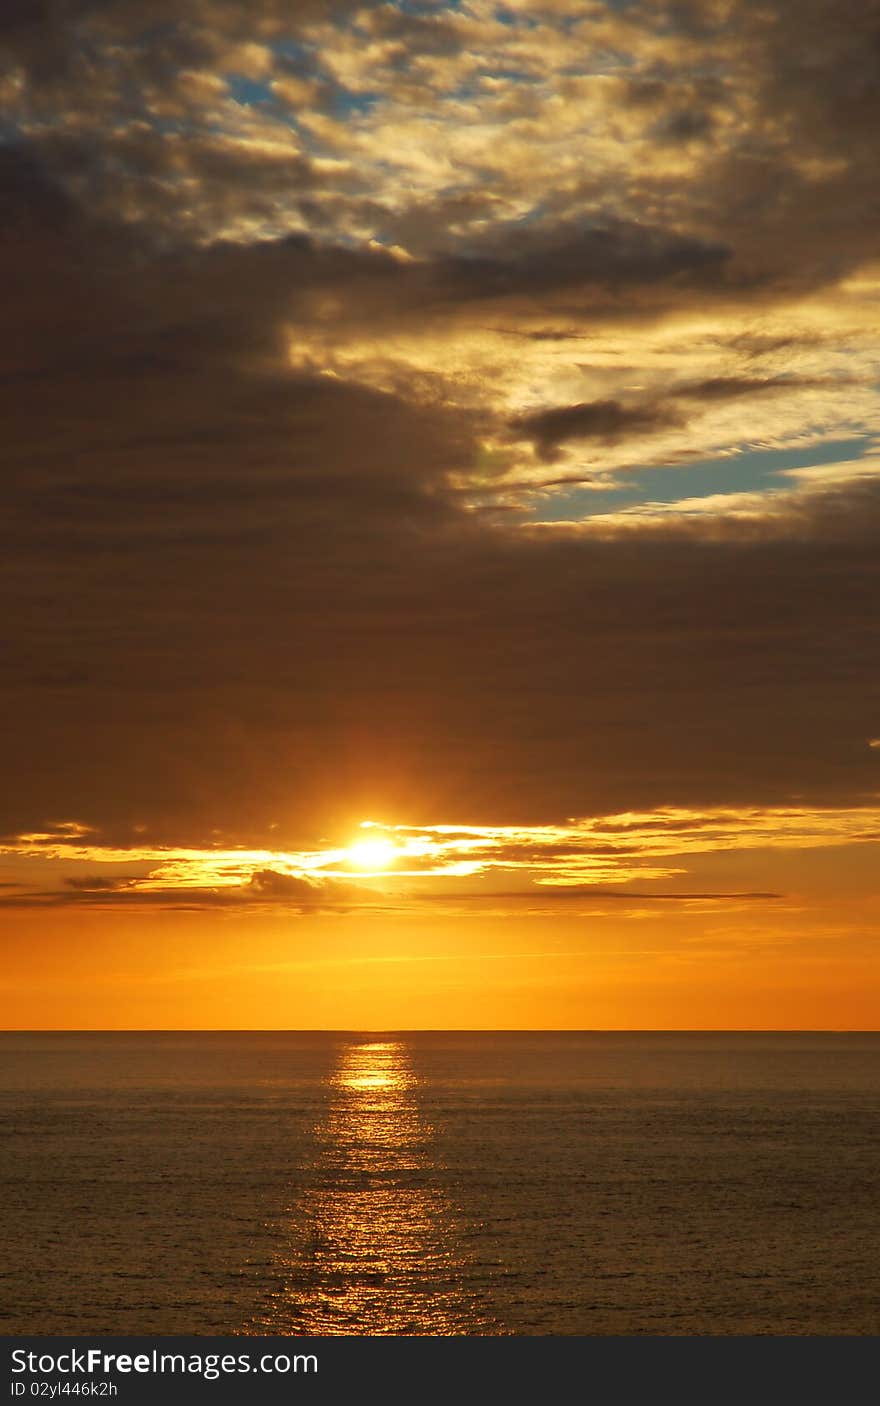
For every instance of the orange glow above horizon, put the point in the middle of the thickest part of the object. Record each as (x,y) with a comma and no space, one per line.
(656,930)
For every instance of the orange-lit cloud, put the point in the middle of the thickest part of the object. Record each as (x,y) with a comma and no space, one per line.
(555,860)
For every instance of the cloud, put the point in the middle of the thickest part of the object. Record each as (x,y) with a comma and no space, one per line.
(305,894)
(543,900)
(290,292)
(731,387)
(579,858)
(194,886)
(605,420)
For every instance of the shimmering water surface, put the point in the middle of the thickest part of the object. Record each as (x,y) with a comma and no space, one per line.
(541,1184)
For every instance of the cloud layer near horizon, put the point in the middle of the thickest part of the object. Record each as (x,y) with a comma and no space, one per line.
(462,412)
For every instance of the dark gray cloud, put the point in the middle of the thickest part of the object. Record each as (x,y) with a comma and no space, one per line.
(573,894)
(265,889)
(431,671)
(515,259)
(607,421)
(732,387)
(271,886)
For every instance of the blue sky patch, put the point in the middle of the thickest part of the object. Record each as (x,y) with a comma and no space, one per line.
(749,471)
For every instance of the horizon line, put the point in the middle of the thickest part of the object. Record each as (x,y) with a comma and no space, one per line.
(441,1030)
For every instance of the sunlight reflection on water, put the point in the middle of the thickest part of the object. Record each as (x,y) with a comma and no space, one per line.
(372,1245)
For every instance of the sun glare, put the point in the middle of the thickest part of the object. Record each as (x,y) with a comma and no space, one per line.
(372,856)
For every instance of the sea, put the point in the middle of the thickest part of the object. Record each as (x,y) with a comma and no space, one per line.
(545,1184)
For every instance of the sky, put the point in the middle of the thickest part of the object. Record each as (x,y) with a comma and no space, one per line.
(441,488)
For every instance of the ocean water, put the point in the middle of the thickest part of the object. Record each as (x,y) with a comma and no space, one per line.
(437,1184)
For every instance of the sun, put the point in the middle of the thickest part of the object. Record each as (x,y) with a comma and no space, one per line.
(372,856)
